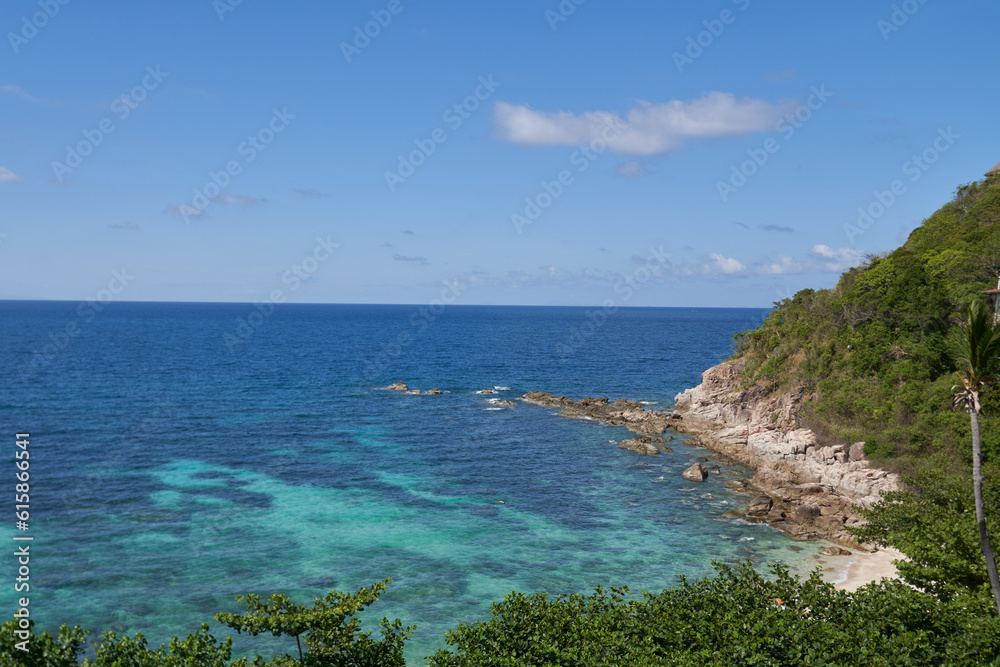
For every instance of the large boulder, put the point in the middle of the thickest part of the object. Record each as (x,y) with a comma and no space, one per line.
(857,452)
(398,386)
(696,473)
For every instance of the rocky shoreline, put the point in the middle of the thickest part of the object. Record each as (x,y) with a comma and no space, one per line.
(808,491)
(804,490)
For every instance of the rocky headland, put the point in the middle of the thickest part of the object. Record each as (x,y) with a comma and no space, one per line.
(800,488)
(806,490)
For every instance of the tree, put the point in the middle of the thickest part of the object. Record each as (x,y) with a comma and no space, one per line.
(21,647)
(329,637)
(978,352)
(738,617)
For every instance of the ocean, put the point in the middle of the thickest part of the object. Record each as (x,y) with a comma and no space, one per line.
(184,454)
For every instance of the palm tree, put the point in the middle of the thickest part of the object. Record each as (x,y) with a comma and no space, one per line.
(979,348)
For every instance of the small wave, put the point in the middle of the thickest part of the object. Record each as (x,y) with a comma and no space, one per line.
(502,388)
(492,409)
(649,402)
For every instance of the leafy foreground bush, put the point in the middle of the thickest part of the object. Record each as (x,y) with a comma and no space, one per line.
(332,635)
(737,617)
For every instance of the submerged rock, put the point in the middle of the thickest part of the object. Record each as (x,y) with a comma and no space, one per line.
(435,392)
(835,551)
(637,445)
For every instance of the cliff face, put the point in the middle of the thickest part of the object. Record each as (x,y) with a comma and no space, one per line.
(811,488)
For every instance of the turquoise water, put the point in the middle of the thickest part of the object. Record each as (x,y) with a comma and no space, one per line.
(172,472)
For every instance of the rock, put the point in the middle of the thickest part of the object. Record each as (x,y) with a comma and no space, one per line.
(759,506)
(630,414)
(807,513)
(413,391)
(715,471)
(756,426)
(398,386)
(637,445)
(776,515)
(734,514)
(667,450)
(435,392)
(835,551)
(485,391)
(695,473)
(740,485)
(703,459)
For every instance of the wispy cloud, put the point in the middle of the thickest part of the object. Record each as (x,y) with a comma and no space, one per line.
(236,200)
(310,192)
(781,265)
(7,176)
(127,225)
(184,211)
(10,89)
(837,259)
(404,258)
(651,128)
(409,232)
(822,259)
(632,170)
(741,224)
(777,228)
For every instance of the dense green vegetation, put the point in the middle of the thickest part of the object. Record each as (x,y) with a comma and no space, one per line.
(878,356)
(877,352)
(737,617)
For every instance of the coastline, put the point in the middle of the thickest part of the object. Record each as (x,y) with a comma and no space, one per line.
(806,491)
(865,568)
(809,491)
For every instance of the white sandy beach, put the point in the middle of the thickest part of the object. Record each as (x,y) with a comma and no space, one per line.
(862,568)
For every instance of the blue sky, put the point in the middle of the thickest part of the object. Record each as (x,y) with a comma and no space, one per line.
(524,152)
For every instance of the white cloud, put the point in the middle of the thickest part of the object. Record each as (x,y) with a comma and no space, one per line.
(837,259)
(7,176)
(783,265)
(650,129)
(726,265)
(823,259)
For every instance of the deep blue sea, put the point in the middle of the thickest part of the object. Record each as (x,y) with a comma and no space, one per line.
(183,454)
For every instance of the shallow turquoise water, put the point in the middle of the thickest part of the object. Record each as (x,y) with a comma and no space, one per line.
(171,474)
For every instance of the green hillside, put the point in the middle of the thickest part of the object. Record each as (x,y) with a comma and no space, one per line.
(875,351)
(875,357)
